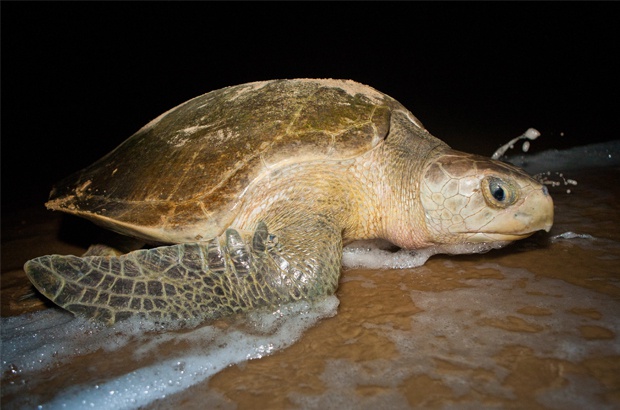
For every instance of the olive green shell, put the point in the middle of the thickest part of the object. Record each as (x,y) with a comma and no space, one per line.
(191,165)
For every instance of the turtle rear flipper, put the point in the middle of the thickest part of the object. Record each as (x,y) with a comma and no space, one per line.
(229,274)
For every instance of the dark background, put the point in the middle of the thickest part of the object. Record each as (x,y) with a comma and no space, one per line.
(79,78)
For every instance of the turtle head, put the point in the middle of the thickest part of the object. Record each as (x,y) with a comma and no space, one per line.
(472,199)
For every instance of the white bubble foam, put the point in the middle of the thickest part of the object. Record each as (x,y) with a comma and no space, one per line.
(379,254)
(571,235)
(37,341)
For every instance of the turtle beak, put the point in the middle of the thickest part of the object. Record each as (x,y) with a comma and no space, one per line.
(539,207)
(549,219)
(534,214)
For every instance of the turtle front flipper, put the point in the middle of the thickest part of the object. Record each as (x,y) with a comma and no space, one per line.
(229,274)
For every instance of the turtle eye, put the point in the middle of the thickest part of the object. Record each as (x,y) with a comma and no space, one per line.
(498,192)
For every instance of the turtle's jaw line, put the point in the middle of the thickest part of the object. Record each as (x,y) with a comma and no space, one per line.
(509,237)
(497,236)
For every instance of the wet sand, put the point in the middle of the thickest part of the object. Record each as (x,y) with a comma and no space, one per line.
(533,325)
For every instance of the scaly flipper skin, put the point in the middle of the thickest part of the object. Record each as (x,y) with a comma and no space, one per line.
(206,280)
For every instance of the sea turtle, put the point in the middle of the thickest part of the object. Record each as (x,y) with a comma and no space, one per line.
(256,188)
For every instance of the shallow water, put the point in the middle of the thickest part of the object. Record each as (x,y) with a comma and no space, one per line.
(533,325)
